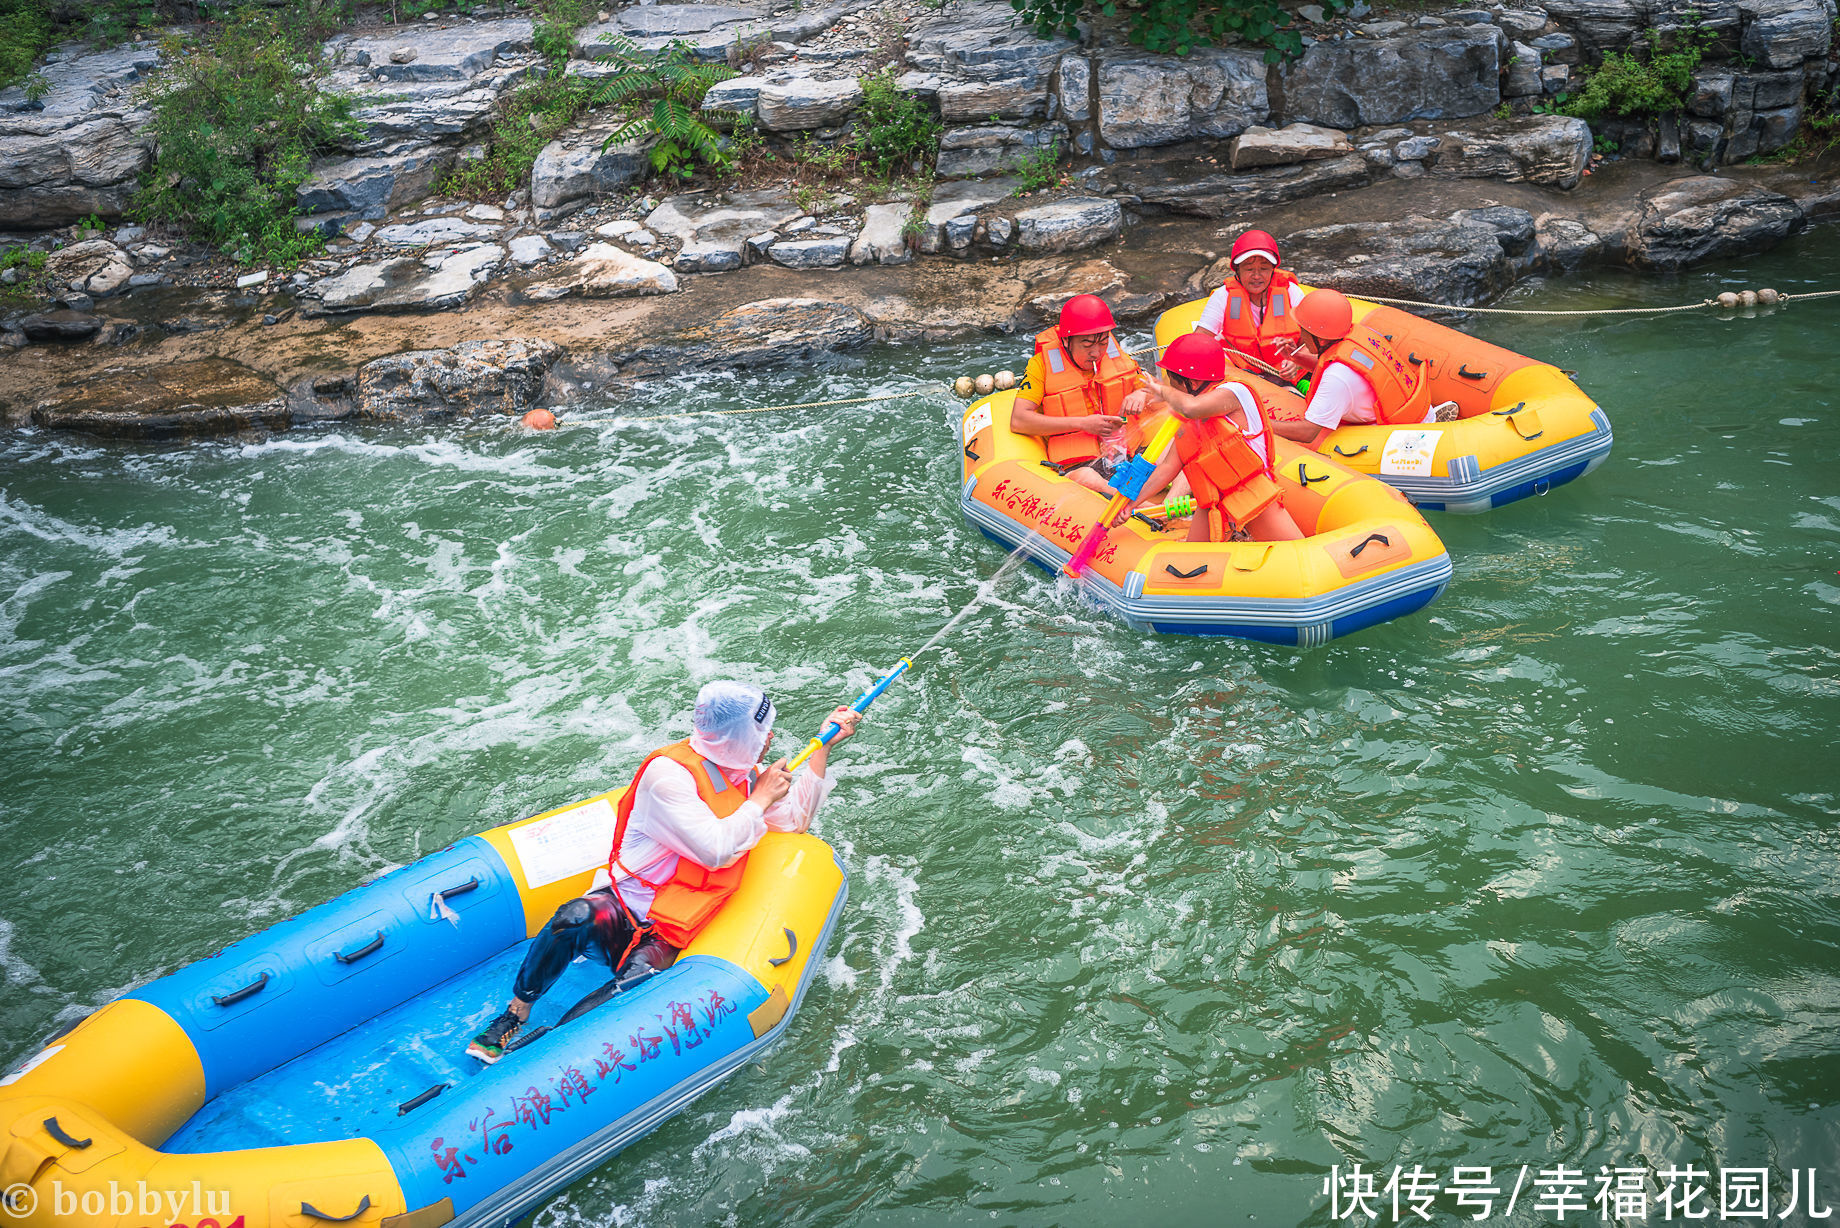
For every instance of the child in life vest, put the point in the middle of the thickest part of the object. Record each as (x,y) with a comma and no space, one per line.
(1225,450)
(1254,313)
(1080,393)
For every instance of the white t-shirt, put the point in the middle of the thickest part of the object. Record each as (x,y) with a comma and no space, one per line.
(1214,315)
(1255,420)
(1340,397)
(670,821)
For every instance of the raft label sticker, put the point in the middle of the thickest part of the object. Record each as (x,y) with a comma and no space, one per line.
(577,839)
(1409,453)
(30,1064)
(977,420)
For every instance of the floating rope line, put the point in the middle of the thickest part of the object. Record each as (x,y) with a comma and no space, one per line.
(1757,300)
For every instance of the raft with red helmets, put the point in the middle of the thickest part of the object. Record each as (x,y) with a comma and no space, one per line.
(1368,557)
(1523,426)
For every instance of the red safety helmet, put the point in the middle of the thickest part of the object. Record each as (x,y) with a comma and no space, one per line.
(1198,356)
(1254,243)
(1325,314)
(1084,315)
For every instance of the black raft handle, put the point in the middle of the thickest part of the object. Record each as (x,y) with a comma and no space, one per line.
(1466,373)
(1356,452)
(57,1132)
(307,1208)
(231,999)
(792,948)
(1370,539)
(1184,575)
(1304,477)
(369,948)
(973,455)
(409,1106)
(1415,360)
(469,885)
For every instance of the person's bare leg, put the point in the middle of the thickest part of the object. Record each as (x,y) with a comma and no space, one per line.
(1274,524)
(1088,477)
(1201,527)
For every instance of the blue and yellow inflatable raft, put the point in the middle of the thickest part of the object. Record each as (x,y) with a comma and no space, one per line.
(314,1073)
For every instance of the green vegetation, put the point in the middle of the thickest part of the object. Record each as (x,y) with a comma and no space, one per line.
(30,282)
(1625,85)
(675,83)
(1180,25)
(237,121)
(1039,168)
(895,130)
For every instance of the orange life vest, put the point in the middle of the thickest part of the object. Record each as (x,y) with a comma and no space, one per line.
(1223,469)
(1399,386)
(684,903)
(1239,331)
(1068,392)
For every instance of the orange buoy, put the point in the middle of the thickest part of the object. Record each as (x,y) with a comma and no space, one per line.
(539,420)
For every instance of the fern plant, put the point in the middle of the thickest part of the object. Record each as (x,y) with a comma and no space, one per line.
(675,83)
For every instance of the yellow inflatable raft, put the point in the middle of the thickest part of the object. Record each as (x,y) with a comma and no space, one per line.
(1369,556)
(1524,427)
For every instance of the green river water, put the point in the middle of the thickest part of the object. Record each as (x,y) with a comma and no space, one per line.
(1139,926)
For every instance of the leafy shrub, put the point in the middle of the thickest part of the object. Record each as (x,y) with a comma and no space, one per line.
(237,122)
(1039,168)
(25,31)
(675,83)
(29,278)
(895,130)
(1624,85)
(1180,25)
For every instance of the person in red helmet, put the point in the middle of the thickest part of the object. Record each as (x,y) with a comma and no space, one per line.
(1079,392)
(1254,313)
(1360,378)
(1224,450)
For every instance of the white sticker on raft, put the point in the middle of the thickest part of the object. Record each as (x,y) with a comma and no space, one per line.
(977,420)
(566,843)
(1409,453)
(30,1064)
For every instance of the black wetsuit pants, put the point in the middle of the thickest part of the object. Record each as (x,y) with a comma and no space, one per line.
(593,925)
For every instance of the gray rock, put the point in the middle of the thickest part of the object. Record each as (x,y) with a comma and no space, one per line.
(739,95)
(485,213)
(1565,245)
(1449,74)
(1562,43)
(84,147)
(796,102)
(983,39)
(1415,148)
(605,271)
(1177,189)
(1522,23)
(527,250)
(1784,33)
(405,283)
(475,377)
(769,332)
(458,52)
(1420,258)
(1073,84)
(437,230)
(1546,149)
(96,267)
(998,231)
(1523,73)
(1287,146)
(954,209)
(142,280)
(1023,96)
(1382,29)
(1146,99)
(369,187)
(1514,228)
(60,325)
(579,165)
(710,255)
(1690,221)
(568,240)
(986,148)
(715,231)
(1555,78)
(129,234)
(823,253)
(884,238)
(1069,225)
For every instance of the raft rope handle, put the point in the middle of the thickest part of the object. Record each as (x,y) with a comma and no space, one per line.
(792,947)
(61,1135)
(1369,540)
(369,948)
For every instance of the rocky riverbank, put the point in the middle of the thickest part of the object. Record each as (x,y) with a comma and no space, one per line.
(1414,155)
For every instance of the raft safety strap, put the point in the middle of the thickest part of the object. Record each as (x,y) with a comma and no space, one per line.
(307,1208)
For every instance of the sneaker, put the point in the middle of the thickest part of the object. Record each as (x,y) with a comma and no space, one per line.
(1448,412)
(489,1045)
